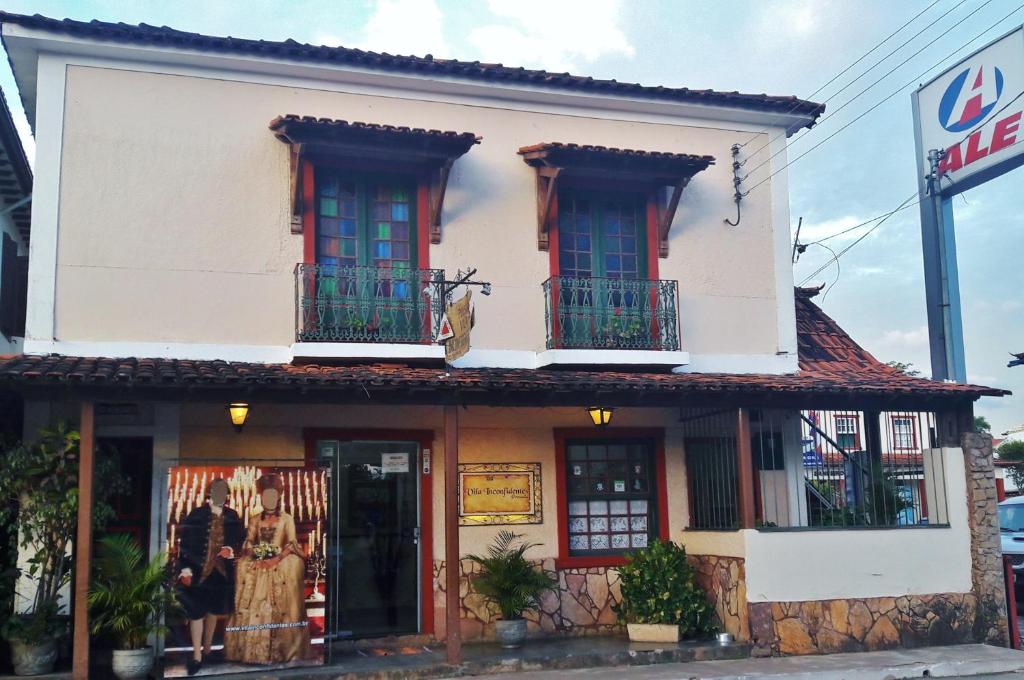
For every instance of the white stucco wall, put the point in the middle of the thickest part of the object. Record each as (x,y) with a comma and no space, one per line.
(169,195)
(784,566)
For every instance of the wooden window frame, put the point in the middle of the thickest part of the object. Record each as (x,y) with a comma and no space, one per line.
(565,560)
(913,432)
(419,179)
(425,439)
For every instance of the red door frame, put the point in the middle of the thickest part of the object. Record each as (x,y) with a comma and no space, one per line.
(562,434)
(425,439)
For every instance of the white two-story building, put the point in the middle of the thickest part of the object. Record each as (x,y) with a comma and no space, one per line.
(282,226)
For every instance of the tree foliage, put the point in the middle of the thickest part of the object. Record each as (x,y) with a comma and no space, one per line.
(1013,450)
(129,596)
(660,586)
(906,369)
(507,579)
(981,424)
(39,504)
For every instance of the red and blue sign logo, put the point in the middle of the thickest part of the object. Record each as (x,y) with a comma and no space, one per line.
(970,97)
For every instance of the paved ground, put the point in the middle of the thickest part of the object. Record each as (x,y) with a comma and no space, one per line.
(977,661)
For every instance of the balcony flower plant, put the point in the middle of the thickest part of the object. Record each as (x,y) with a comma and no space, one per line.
(661,600)
(128,601)
(39,504)
(508,581)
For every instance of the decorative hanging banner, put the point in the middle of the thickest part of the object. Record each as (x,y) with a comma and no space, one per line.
(248,553)
(500,493)
(460,318)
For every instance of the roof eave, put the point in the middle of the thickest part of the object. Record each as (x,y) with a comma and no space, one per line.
(24,44)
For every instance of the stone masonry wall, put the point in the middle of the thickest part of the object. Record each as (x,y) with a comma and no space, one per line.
(986,555)
(581,605)
(724,579)
(855,625)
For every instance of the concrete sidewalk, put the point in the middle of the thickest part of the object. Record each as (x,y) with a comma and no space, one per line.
(935,662)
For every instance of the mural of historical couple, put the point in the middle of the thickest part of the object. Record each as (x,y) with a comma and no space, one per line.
(247,551)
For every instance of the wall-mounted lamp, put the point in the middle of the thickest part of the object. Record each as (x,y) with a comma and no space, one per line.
(238,411)
(601,415)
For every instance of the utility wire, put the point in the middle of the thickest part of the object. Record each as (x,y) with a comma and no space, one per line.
(860,59)
(905,203)
(869,87)
(877,104)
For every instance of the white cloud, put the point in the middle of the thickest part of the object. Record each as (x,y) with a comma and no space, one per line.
(553,35)
(912,339)
(399,27)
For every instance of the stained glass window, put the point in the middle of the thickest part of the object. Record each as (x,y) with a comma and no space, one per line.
(611,496)
(601,235)
(364,221)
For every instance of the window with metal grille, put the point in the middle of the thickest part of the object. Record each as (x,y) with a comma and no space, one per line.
(611,495)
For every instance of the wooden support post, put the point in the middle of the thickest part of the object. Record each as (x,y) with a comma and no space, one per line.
(744,470)
(873,430)
(453,637)
(83,542)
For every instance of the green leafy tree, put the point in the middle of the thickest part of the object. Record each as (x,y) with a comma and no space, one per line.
(1013,450)
(39,504)
(507,579)
(907,369)
(129,596)
(660,586)
(981,424)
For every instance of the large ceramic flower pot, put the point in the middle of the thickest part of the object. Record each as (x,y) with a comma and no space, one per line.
(652,632)
(33,659)
(133,664)
(510,634)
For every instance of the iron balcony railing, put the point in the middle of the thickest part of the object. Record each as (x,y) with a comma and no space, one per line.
(366,304)
(604,313)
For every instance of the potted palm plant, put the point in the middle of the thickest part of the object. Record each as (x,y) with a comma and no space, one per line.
(39,504)
(660,596)
(511,583)
(128,600)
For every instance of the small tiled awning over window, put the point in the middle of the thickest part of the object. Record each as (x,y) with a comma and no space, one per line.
(431,152)
(667,173)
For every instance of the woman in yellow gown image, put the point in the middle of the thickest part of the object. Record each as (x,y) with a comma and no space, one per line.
(269,625)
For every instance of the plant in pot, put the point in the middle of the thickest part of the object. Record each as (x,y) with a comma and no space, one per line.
(511,583)
(660,596)
(39,504)
(128,600)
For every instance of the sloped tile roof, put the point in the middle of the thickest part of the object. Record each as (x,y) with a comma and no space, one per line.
(831,363)
(283,125)
(163,36)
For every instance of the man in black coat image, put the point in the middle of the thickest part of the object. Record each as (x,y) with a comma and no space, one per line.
(211,536)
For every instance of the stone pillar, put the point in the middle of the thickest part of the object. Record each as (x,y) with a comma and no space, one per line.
(987,576)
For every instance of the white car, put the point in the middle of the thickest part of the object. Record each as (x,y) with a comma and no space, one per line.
(1011,534)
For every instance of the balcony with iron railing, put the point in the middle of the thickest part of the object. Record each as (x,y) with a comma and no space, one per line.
(613,314)
(359,304)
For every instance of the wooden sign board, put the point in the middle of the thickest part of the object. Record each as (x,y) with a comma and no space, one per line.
(460,318)
(500,493)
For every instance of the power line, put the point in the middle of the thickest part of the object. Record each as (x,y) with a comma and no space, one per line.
(860,59)
(904,204)
(877,104)
(872,85)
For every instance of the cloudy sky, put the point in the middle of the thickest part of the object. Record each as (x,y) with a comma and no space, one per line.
(774,46)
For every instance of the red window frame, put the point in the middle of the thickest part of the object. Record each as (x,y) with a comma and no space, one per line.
(425,439)
(913,432)
(566,561)
(309,203)
(856,431)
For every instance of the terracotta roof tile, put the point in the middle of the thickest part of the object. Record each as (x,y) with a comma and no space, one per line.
(164,36)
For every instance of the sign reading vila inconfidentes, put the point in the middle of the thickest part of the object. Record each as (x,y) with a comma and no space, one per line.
(500,493)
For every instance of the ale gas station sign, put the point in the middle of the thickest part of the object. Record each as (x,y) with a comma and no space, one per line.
(967,128)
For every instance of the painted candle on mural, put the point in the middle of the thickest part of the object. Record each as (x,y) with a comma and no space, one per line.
(247,557)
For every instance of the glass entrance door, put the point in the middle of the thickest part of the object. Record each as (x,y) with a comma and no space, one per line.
(373,538)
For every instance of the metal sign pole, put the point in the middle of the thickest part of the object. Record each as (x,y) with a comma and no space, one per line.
(938,243)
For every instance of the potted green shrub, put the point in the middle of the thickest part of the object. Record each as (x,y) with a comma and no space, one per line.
(128,600)
(511,583)
(39,504)
(660,596)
